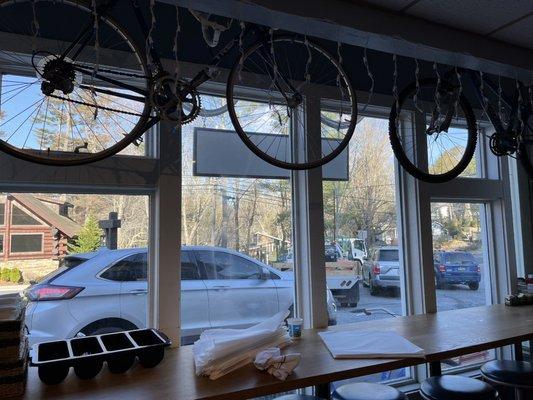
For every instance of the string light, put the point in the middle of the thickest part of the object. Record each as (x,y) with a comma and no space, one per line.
(520,103)
(35,25)
(484,99)
(370,76)
(500,91)
(175,47)
(437,91)
(417,85)
(395,84)
(309,60)
(97,36)
(339,85)
(149,39)
(459,94)
(241,49)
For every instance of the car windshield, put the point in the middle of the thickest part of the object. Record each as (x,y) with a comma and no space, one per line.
(388,255)
(455,258)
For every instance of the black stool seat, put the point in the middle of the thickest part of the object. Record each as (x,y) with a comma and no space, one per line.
(451,387)
(298,397)
(367,391)
(509,372)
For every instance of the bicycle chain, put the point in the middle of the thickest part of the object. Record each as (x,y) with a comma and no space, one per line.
(95,106)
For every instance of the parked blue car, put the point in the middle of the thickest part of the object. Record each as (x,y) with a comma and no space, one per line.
(456,267)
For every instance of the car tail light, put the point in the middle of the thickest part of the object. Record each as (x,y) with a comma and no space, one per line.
(376,269)
(442,268)
(52,292)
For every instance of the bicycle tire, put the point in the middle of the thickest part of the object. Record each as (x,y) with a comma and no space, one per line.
(59,158)
(231,100)
(398,149)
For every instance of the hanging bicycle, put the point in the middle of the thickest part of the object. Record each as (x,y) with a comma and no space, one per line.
(77,88)
(439,108)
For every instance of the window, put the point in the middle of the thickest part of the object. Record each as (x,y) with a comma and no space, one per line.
(2,213)
(221,265)
(1,244)
(26,243)
(189,270)
(131,268)
(233,205)
(360,221)
(461,268)
(20,217)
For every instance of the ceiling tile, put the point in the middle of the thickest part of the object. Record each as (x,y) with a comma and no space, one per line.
(479,16)
(520,33)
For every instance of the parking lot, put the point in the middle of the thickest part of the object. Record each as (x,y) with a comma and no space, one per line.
(450,298)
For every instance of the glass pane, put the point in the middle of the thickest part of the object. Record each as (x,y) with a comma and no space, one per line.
(62,260)
(236,224)
(363,263)
(21,217)
(443,155)
(2,213)
(1,244)
(462,273)
(26,243)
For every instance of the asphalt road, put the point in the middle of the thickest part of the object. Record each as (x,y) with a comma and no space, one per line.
(452,298)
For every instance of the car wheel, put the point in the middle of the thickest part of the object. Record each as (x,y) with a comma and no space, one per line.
(374,290)
(473,285)
(438,283)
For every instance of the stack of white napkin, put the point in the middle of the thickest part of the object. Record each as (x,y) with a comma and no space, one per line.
(276,364)
(220,351)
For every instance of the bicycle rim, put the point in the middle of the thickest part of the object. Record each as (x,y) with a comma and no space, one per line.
(449,153)
(272,126)
(60,107)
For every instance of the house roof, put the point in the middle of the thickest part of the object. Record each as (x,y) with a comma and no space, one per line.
(64,224)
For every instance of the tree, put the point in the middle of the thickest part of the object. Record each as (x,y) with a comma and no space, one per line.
(449,159)
(89,238)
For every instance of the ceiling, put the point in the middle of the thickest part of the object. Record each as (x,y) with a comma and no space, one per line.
(509,21)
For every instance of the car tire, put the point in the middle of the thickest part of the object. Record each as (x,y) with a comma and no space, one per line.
(473,285)
(438,283)
(374,290)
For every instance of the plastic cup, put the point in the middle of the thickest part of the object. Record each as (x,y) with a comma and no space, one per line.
(295,327)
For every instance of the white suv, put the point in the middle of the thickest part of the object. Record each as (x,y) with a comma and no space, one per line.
(106,291)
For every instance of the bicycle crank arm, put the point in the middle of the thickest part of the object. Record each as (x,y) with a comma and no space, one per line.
(203,76)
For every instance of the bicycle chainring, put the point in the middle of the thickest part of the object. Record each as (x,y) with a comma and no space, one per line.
(168,97)
(503,145)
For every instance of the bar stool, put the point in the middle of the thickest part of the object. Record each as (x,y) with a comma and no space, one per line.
(367,391)
(515,374)
(451,387)
(298,397)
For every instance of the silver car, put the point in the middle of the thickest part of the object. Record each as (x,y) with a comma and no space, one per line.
(383,271)
(106,291)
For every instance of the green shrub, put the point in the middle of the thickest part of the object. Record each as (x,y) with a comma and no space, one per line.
(13,275)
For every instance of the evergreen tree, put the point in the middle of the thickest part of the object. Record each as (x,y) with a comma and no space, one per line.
(89,238)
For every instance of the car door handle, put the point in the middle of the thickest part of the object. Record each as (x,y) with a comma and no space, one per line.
(138,291)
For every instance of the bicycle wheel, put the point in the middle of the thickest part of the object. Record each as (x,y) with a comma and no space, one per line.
(290,72)
(72,91)
(450,148)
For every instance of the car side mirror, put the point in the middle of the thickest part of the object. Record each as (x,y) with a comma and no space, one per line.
(265,275)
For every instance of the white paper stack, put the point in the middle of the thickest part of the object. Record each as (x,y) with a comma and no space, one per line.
(369,344)
(220,351)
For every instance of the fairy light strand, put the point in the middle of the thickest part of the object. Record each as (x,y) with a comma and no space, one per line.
(149,38)
(309,60)
(176,41)
(437,90)
(35,25)
(97,36)
(417,85)
(500,91)
(338,79)
(395,84)
(520,104)
(460,92)
(370,76)
(241,50)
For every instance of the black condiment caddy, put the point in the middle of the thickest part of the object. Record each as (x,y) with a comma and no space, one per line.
(87,354)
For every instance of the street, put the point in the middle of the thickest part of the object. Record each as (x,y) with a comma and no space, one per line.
(451,298)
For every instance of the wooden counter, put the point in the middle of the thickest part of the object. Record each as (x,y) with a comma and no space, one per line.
(442,335)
